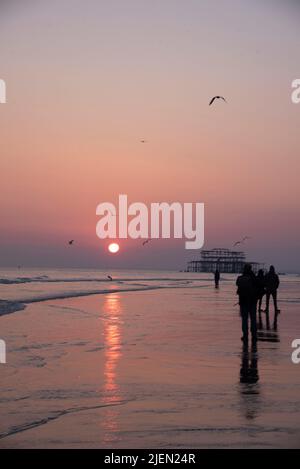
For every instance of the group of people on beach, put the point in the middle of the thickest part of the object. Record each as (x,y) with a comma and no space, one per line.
(251,289)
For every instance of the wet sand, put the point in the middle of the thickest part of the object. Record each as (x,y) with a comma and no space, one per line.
(162,368)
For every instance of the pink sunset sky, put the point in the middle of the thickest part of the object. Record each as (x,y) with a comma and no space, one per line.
(86,81)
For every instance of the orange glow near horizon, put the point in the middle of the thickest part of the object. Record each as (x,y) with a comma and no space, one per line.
(77,111)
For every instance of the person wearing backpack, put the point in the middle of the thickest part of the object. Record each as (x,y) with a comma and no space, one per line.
(248,295)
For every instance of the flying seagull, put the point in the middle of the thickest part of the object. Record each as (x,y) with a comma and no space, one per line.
(217,97)
(147,241)
(242,241)
(71,242)
(238,242)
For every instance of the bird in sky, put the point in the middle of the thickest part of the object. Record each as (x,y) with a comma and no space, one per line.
(109,277)
(71,241)
(237,242)
(242,241)
(147,241)
(143,140)
(217,97)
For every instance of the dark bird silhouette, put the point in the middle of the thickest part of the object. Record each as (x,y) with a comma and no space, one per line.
(237,242)
(242,241)
(143,141)
(71,241)
(217,97)
(147,241)
(109,277)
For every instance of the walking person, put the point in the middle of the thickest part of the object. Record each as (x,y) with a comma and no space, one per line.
(261,291)
(217,278)
(271,285)
(247,292)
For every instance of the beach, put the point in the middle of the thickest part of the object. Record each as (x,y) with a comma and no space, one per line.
(147,360)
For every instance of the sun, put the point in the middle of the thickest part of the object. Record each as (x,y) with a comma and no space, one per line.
(113,248)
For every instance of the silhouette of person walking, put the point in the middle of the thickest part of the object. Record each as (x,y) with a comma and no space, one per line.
(271,285)
(261,291)
(217,278)
(247,292)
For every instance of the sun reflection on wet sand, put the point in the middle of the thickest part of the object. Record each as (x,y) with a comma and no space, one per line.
(112,310)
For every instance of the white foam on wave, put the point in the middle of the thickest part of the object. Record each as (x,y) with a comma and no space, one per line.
(45,279)
(7,307)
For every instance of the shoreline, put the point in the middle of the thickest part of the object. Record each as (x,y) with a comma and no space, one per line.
(12,306)
(173,359)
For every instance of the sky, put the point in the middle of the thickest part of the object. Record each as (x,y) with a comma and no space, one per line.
(87,80)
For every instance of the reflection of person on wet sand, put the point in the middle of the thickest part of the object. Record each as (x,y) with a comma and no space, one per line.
(265,334)
(249,370)
(249,378)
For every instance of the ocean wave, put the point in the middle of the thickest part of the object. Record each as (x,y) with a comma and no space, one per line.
(7,307)
(54,416)
(17,280)
(46,279)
